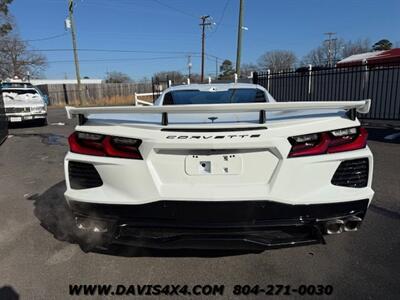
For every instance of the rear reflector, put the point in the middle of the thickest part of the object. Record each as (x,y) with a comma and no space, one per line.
(340,140)
(101,145)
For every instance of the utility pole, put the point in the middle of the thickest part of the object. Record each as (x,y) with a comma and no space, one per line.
(189,66)
(216,68)
(239,40)
(203,24)
(73,34)
(330,41)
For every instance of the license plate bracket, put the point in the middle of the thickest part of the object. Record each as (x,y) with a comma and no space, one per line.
(216,164)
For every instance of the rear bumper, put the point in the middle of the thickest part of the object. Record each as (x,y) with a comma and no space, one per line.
(162,176)
(19,117)
(216,225)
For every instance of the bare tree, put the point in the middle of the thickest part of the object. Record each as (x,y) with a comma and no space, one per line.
(5,19)
(277,60)
(117,77)
(339,49)
(174,76)
(15,57)
(316,57)
(17,60)
(321,55)
(350,48)
(195,77)
(247,69)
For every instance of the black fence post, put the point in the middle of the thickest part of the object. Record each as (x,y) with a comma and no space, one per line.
(255,78)
(66,100)
(152,87)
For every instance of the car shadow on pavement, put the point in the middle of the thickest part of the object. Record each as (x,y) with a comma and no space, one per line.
(55,216)
(26,124)
(8,292)
(385,135)
(53,213)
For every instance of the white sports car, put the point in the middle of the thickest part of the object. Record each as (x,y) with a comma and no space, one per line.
(218,166)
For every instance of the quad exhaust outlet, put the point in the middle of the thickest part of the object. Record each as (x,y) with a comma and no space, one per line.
(352,224)
(334,227)
(338,226)
(86,224)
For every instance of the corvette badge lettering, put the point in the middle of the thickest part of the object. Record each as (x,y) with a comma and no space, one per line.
(208,137)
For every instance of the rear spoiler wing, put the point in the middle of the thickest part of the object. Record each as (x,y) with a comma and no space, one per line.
(352,107)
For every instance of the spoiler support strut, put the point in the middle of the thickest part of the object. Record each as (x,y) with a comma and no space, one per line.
(164,119)
(352,114)
(263,117)
(81,119)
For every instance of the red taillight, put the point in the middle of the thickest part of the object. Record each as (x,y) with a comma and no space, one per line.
(315,146)
(354,141)
(86,143)
(328,142)
(122,147)
(100,145)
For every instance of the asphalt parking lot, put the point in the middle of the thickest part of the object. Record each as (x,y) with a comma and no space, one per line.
(37,260)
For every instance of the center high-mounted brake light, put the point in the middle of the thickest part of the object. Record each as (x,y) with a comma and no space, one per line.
(340,140)
(104,145)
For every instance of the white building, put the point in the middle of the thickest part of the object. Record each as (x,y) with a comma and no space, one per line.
(65,81)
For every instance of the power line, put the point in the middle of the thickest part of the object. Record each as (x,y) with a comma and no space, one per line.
(175,9)
(52,37)
(207,56)
(110,51)
(220,19)
(193,53)
(118,59)
(135,35)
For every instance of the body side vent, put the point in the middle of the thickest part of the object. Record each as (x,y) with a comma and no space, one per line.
(352,173)
(83,176)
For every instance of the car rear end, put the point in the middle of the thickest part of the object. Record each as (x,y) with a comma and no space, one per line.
(287,181)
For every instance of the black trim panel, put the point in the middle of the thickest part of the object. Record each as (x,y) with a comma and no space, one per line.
(256,225)
(260,239)
(219,214)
